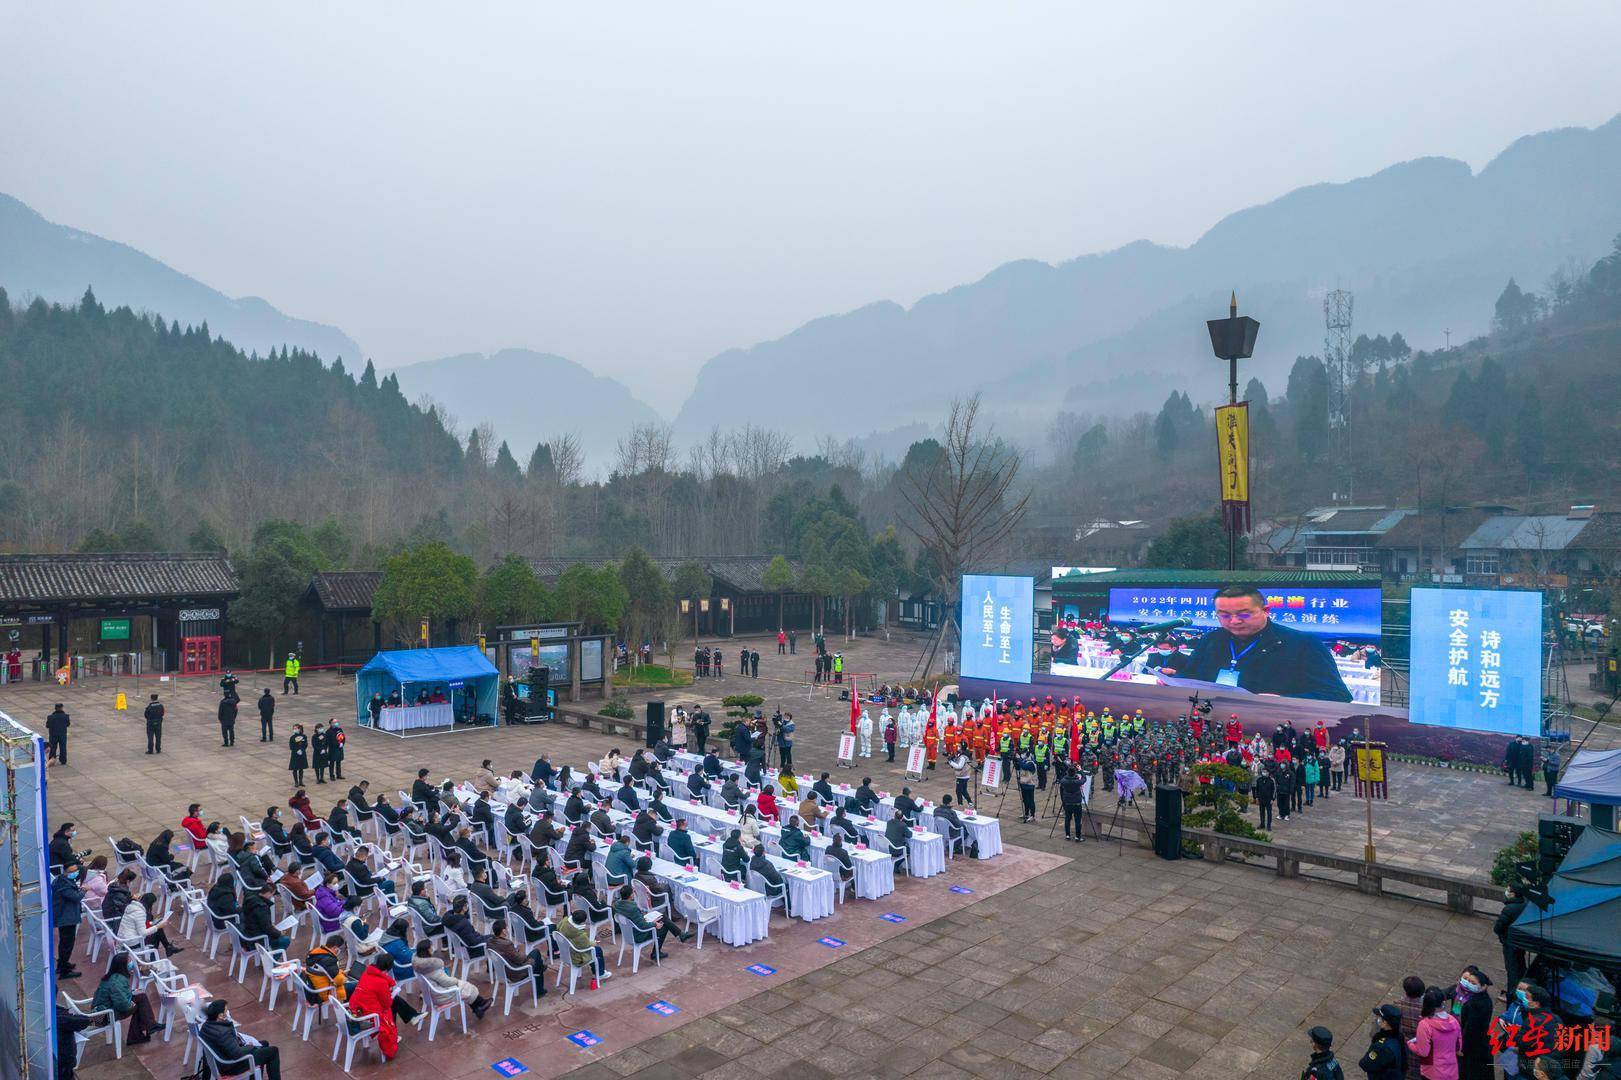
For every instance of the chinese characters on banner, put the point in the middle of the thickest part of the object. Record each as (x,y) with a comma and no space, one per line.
(998,627)
(1476,659)
(1233,448)
(1370,770)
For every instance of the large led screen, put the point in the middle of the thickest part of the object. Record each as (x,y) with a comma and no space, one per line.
(998,627)
(1477,660)
(1284,640)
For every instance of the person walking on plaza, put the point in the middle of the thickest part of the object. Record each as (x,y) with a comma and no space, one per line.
(1550,769)
(1322,1065)
(227,715)
(289,673)
(298,754)
(267,716)
(56,729)
(154,726)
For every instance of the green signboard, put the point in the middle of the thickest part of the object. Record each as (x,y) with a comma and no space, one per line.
(115,629)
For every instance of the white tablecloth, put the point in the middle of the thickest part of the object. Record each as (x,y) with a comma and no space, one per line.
(984,831)
(811,892)
(925,851)
(408,717)
(875,874)
(744,914)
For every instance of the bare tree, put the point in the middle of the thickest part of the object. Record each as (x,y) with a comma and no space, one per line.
(568,458)
(960,501)
(645,448)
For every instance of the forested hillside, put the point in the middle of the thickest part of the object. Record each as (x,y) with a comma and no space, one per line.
(1529,415)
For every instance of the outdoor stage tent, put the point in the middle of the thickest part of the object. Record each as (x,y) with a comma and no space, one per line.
(1592,777)
(407,668)
(1579,926)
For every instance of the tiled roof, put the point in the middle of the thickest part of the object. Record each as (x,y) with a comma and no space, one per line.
(46,579)
(1438,529)
(1514,532)
(346,590)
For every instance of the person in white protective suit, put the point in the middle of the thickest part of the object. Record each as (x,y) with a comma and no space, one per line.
(903,728)
(864,733)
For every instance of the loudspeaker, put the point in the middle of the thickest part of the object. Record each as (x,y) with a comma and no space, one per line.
(1168,822)
(655,722)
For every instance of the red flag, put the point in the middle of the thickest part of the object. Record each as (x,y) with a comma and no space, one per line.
(934,703)
(855,706)
(1074,741)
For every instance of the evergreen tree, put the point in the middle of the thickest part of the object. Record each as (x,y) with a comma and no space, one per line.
(542,469)
(368,378)
(506,466)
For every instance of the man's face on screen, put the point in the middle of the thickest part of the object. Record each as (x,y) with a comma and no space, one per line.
(1241,616)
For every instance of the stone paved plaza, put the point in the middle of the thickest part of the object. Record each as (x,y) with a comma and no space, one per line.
(1092,960)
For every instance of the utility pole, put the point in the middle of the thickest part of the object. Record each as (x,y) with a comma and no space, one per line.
(1342,380)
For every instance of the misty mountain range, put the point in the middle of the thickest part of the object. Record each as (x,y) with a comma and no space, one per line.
(56,263)
(1426,246)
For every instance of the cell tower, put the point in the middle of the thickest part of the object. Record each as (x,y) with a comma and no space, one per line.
(1341,379)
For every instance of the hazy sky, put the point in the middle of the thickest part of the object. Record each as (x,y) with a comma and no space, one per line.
(639,186)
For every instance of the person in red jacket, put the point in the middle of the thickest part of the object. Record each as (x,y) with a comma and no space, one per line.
(767,804)
(1235,730)
(1319,735)
(193,824)
(372,996)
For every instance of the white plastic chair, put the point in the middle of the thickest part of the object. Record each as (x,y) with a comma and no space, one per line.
(627,938)
(267,960)
(216,1064)
(438,1002)
(173,988)
(774,894)
(242,952)
(104,1022)
(355,1031)
(308,1013)
(510,981)
(571,961)
(699,916)
(464,960)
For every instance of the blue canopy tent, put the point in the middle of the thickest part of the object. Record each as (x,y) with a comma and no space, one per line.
(463,672)
(1593,777)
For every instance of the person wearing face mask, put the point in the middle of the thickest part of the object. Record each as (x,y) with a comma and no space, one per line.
(1472,1005)
(1386,1058)
(1437,1039)
(66,911)
(235,1050)
(1513,959)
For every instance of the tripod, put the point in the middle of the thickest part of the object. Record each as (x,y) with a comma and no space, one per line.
(1120,838)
